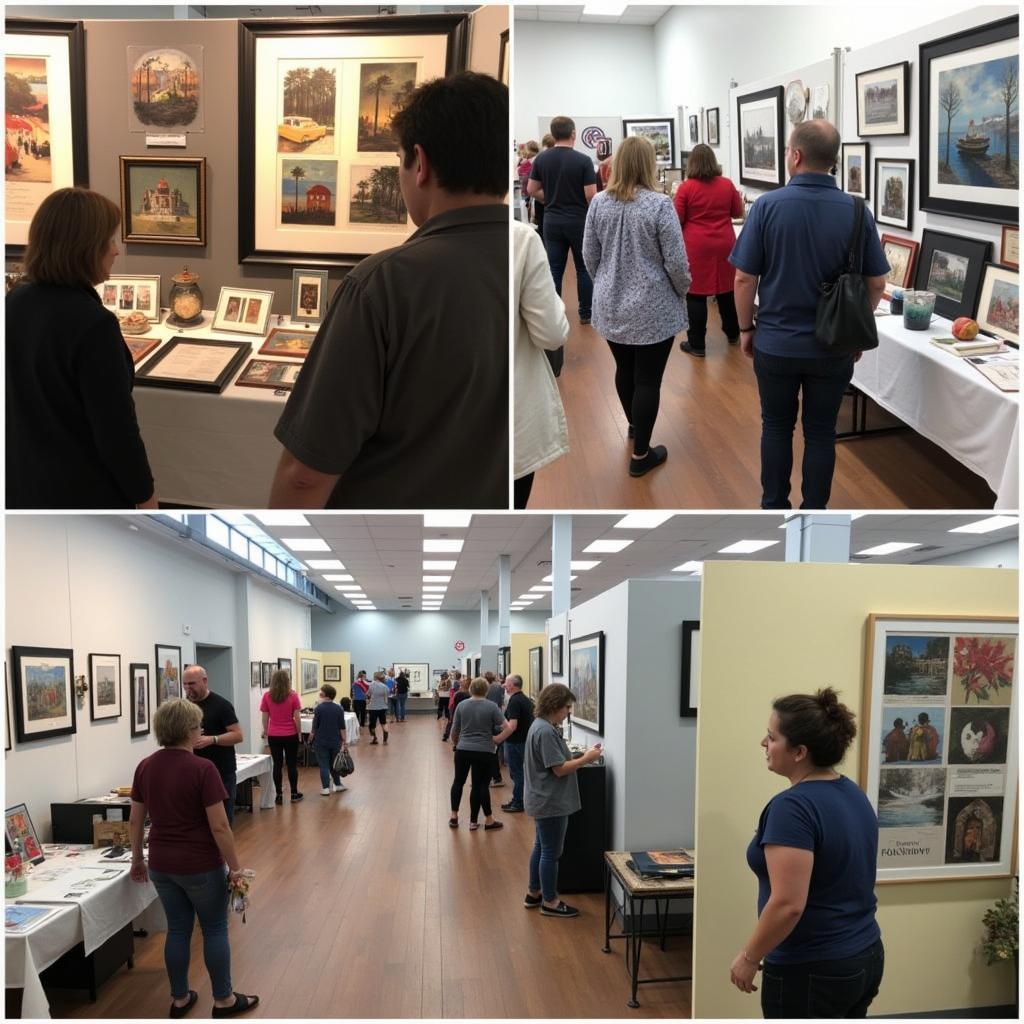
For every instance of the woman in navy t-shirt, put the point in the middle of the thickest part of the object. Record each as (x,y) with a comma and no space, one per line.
(814,854)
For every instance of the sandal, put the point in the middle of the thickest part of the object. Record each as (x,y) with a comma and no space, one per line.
(242,1003)
(473,826)
(453,822)
(180,1011)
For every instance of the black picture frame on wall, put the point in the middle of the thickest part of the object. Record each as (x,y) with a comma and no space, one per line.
(849,180)
(33,668)
(556,655)
(971,253)
(885,211)
(764,98)
(586,680)
(139,695)
(711,135)
(536,669)
(104,686)
(894,121)
(690,675)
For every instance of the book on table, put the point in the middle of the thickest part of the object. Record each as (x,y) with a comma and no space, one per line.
(663,863)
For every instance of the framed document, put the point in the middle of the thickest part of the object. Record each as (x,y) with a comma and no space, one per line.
(242,311)
(276,374)
(309,296)
(140,294)
(194,364)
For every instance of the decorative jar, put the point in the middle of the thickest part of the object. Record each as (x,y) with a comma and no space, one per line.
(186,300)
(917,310)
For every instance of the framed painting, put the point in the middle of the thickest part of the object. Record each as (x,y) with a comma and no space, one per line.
(586,680)
(44,68)
(939,745)
(166,89)
(556,655)
(711,135)
(309,296)
(952,267)
(332,673)
(266,674)
(138,677)
(283,342)
(856,169)
(1009,246)
(883,100)
(689,689)
(243,311)
(168,673)
(301,149)
(536,669)
(820,97)
(902,256)
(139,294)
(659,132)
(309,669)
(761,131)
(163,199)
(255,674)
(104,686)
(140,347)
(43,679)
(969,141)
(476,666)
(502,670)
(286,664)
(18,825)
(503,75)
(194,364)
(894,192)
(694,127)
(276,374)
(418,673)
(999,303)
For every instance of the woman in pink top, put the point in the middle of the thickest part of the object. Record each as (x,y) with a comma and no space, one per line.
(706,204)
(281,729)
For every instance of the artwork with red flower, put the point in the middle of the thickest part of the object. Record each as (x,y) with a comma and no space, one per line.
(983,669)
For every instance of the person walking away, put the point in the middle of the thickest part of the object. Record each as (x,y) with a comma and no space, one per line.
(538,207)
(519,714)
(401,694)
(360,687)
(444,686)
(327,737)
(282,729)
(378,707)
(496,695)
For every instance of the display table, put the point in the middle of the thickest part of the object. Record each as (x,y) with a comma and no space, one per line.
(351,726)
(946,400)
(257,766)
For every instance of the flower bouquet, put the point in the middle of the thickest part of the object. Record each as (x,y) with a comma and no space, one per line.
(238,892)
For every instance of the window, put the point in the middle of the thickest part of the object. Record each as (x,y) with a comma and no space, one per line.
(240,544)
(217,531)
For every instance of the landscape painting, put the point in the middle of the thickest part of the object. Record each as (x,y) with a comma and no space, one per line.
(911,797)
(309,94)
(166,88)
(659,134)
(759,116)
(27,122)
(383,90)
(999,311)
(586,680)
(309,191)
(168,673)
(43,681)
(916,666)
(376,197)
(882,102)
(947,275)
(282,342)
(893,192)
(48,691)
(105,685)
(900,259)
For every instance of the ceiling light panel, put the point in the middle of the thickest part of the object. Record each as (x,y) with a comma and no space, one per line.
(643,520)
(305,543)
(339,577)
(987,525)
(606,547)
(324,563)
(551,579)
(441,519)
(888,549)
(430,589)
(582,564)
(689,567)
(433,563)
(441,544)
(282,519)
(747,547)
(437,579)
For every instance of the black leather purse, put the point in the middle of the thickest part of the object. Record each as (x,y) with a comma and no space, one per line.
(845,322)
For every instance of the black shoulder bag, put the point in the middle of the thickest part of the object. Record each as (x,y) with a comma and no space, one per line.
(845,321)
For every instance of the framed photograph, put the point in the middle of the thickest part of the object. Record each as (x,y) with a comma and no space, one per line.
(894,192)
(18,825)
(556,655)
(243,311)
(503,59)
(761,131)
(883,100)
(121,294)
(1009,247)
(166,89)
(536,669)
(711,126)
(476,667)
(194,364)
(310,675)
(694,129)
(255,674)
(504,661)
(418,673)
(266,672)
(43,679)
(104,686)
(168,673)
(939,745)
(309,296)
(689,690)
(44,68)
(820,101)
(969,142)
(999,304)
(140,346)
(300,148)
(286,664)
(163,199)
(952,267)
(902,256)
(283,342)
(660,132)
(138,677)
(332,673)
(586,680)
(856,169)
(276,374)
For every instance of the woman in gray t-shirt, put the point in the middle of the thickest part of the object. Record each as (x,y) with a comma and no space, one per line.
(477,726)
(552,794)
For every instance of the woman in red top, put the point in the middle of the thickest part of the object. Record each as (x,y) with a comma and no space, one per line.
(706,203)
(282,729)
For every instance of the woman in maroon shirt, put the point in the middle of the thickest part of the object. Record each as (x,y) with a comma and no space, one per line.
(189,841)
(706,204)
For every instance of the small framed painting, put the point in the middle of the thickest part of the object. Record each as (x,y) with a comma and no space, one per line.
(282,342)
(854,161)
(586,680)
(556,655)
(43,680)
(18,825)
(536,671)
(255,674)
(883,100)
(163,199)
(138,676)
(309,296)
(761,131)
(7,712)
(694,129)
(711,136)
(168,673)
(310,669)
(690,681)
(243,311)
(276,374)
(659,132)
(902,256)
(104,686)
(194,364)
(140,346)
(139,294)
(952,268)
(266,672)
(286,664)
(999,304)
(1009,246)
(894,192)
(332,673)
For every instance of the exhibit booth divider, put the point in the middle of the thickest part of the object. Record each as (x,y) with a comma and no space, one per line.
(773,629)
(522,644)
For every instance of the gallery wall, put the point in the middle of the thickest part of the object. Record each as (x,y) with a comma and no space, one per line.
(520,644)
(777,629)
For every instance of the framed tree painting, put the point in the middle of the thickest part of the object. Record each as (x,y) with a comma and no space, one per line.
(883,100)
(166,89)
(309,669)
(999,303)
(316,101)
(556,655)
(138,675)
(536,669)
(902,256)
(44,696)
(856,168)
(586,680)
(952,267)
(761,132)
(104,686)
(44,68)
(969,140)
(939,747)
(894,192)
(659,132)
(711,126)
(168,673)
(690,682)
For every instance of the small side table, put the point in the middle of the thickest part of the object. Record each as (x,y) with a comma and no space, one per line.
(637,892)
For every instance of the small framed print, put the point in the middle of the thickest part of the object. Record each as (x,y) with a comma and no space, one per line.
(694,126)
(242,311)
(286,664)
(104,686)
(18,825)
(44,697)
(894,192)
(138,675)
(999,303)
(309,296)
(282,342)
(194,364)
(883,100)
(255,674)
(121,295)
(711,126)
(854,162)
(140,346)
(267,673)
(556,655)
(163,199)
(168,672)
(902,256)
(332,673)
(1009,246)
(276,374)
(952,267)
(659,132)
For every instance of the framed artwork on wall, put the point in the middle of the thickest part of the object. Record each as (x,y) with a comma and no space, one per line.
(536,669)
(902,256)
(138,676)
(476,666)
(43,679)
(1009,247)
(255,674)
(44,67)
(166,89)
(894,192)
(310,674)
(286,664)
(7,712)
(694,126)
(503,58)
(243,311)
(711,126)
(586,680)
(309,296)
(883,100)
(798,97)
(659,132)
(761,132)
(266,674)
(276,374)
(999,303)
(18,825)
(820,101)
(332,673)
(304,152)
(952,267)
(104,686)
(163,199)
(137,294)
(969,142)
(168,673)
(418,673)
(194,364)
(856,168)
(690,683)
(502,669)
(939,746)
(556,655)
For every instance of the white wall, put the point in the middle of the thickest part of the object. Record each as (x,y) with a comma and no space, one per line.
(1004,555)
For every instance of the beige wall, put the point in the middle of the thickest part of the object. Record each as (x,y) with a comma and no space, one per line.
(342,658)
(485,38)
(521,644)
(800,627)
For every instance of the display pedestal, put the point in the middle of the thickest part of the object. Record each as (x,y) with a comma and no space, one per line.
(581,868)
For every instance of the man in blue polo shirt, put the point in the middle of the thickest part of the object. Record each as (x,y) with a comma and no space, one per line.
(795,239)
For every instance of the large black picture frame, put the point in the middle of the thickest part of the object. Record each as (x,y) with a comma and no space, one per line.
(977,251)
(668,122)
(243,349)
(776,93)
(689,683)
(594,642)
(55,654)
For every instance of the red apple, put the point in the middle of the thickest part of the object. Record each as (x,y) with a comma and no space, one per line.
(964,328)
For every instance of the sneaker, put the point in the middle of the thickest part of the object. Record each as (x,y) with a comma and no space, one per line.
(385,737)
(511,808)
(296,797)
(655,456)
(278,799)
(562,910)
(339,787)
(325,792)
(532,902)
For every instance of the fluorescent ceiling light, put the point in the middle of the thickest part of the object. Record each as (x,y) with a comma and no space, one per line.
(747,547)
(282,519)
(305,544)
(643,520)
(435,519)
(987,525)
(367,607)
(437,579)
(527,598)
(429,589)
(688,567)
(542,589)
(324,563)
(352,588)
(339,577)
(429,563)
(551,579)
(582,564)
(442,545)
(607,8)
(603,547)
(888,549)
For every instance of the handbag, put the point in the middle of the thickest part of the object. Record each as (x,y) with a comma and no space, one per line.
(343,763)
(845,322)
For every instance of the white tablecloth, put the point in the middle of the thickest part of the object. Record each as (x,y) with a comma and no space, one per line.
(945,400)
(252,766)
(351,726)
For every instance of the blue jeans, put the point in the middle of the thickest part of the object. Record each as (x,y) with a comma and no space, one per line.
(400,700)
(183,898)
(232,787)
(325,758)
(547,848)
(514,755)
(781,382)
(559,237)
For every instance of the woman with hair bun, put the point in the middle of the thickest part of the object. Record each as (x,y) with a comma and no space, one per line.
(814,854)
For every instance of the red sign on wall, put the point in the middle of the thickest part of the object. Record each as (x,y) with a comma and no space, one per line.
(459,645)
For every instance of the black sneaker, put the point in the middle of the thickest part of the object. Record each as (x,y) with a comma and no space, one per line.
(532,902)
(385,738)
(373,741)
(296,797)
(511,808)
(655,456)
(278,799)
(562,910)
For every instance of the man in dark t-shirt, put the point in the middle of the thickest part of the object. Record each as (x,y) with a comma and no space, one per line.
(221,730)
(519,709)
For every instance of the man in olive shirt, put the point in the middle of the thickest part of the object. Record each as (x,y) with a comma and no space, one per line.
(388,405)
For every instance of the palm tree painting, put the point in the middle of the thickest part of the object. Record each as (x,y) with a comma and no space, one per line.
(165,87)
(375,197)
(308,92)
(309,191)
(383,90)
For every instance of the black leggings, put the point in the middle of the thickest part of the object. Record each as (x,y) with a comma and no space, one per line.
(359,707)
(697,313)
(521,490)
(481,764)
(638,373)
(281,748)
(442,707)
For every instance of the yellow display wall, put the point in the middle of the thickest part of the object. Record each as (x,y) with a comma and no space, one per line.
(521,644)
(342,658)
(769,629)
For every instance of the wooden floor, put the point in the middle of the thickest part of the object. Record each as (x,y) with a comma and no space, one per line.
(710,421)
(367,905)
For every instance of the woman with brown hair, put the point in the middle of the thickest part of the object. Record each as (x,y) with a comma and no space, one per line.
(706,204)
(282,728)
(73,439)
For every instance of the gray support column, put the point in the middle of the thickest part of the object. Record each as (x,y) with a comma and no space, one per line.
(561,556)
(818,537)
(504,598)
(485,615)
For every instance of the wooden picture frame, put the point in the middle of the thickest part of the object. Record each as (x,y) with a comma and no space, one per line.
(163,199)
(769,104)
(556,655)
(939,251)
(1009,246)
(659,131)
(273,374)
(503,61)
(167,676)
(886,212)
(43,680)
(586,680)
(883,100)
(689,685)
(999,303)
(179,364)
(243,311)
(711,127)
(138,683)
(140,345)
(332,673)
(284,342)
(132,293)
(18,825)
(861,152)
(309,285)
(104,686)
(911,247)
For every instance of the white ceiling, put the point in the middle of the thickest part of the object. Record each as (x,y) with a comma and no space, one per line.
(637,14)
(385,552)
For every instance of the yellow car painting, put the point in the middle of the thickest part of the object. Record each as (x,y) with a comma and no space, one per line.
(301,129)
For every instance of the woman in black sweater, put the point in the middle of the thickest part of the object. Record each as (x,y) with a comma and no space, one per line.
(73,439)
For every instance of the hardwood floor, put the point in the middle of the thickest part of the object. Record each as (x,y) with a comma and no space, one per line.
(367,905)
(710,421)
